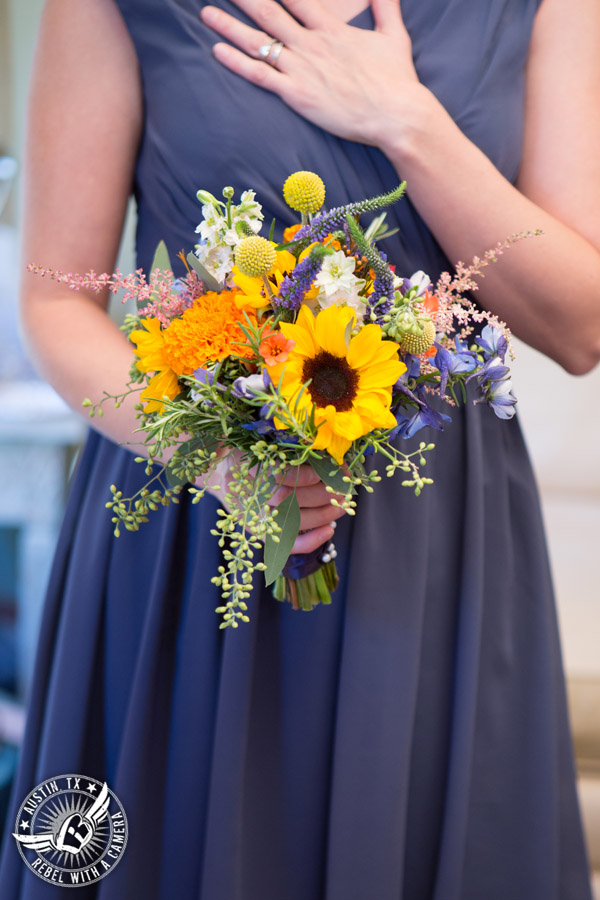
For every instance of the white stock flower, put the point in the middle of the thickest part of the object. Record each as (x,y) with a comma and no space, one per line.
(337,274)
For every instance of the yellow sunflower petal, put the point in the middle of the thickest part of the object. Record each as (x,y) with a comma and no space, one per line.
(367,347)
(150,346)
(330,329)
(381,375)
(163,384)
(350,425)
(256,301)
(338,447)
(304,338)
(286,261)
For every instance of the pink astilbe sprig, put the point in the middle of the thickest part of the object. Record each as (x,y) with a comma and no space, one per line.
(458,314)
(181,296)
(162,296)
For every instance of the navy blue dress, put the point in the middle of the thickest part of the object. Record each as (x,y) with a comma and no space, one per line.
(409,742)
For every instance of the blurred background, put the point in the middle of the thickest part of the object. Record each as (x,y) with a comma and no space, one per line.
(39,437)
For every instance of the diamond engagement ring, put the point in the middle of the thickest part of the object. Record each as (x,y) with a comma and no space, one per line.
(270,52)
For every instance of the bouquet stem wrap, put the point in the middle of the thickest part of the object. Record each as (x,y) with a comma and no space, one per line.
(306,581)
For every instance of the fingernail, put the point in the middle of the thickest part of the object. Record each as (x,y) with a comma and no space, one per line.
(333,525)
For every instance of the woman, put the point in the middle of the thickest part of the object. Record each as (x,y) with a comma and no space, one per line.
(411,740)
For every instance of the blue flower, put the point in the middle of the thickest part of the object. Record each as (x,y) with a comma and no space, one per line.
(450,363)
(261,426)
(492,342)
(423,417)
(204,376)
(247,387)
(420,280)
(496,388)
(501,399)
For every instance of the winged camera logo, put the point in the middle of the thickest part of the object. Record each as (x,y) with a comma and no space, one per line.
(71,830)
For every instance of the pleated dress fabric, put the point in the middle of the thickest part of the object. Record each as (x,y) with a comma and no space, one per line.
(409,742)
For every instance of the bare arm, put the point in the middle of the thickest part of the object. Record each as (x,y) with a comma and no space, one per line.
(362,85)
(84,125)
(85,122)
(547,289)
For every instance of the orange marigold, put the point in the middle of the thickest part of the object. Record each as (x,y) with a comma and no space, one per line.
(207,332)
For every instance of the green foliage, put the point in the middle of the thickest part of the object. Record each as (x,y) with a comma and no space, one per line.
(161,259)
(278,547)
(211,283)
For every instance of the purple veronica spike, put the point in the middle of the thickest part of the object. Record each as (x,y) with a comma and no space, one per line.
(295,286)
(383,286)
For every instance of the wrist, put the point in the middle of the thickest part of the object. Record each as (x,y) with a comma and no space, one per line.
(419,120)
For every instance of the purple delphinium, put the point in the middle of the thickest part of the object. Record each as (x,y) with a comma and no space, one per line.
(492,342)
(410,420)
(246,387)
(420,280)
(204,376)
(408,425)
(450,362)
(496,388)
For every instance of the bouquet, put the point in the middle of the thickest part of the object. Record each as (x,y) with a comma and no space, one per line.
(266,356)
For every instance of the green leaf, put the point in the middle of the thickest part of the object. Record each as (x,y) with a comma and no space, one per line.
(330,473)
(209,280)
(276,555)
(200,442)
(173,479)
(161,259)
(272,230)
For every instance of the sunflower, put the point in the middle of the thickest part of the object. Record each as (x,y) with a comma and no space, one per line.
(351,378)
(208,331)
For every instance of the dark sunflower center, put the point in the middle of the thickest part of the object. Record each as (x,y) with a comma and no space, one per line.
(332,381)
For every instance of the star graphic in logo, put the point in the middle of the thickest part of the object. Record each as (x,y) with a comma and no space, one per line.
(24,825)
(91,788)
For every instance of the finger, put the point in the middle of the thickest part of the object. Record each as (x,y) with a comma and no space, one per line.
(319,516)
(316,495)
(387,15)
(259,73)
(299,476)
(272,19)
(279,495)
(311,13)
(306,543)
(243,36)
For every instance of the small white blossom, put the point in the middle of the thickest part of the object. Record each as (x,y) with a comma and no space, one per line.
(337,274)
(344,298)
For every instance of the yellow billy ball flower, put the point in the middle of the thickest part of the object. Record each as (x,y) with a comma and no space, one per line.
(304,192)
(255,256)
(419,343)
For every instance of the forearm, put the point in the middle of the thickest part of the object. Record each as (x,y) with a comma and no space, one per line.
(547,289)
(80,351)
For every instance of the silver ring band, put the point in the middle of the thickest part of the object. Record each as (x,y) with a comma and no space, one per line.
(270,52)
(276,49)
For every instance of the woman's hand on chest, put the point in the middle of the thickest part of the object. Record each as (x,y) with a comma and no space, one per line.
(355,83)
